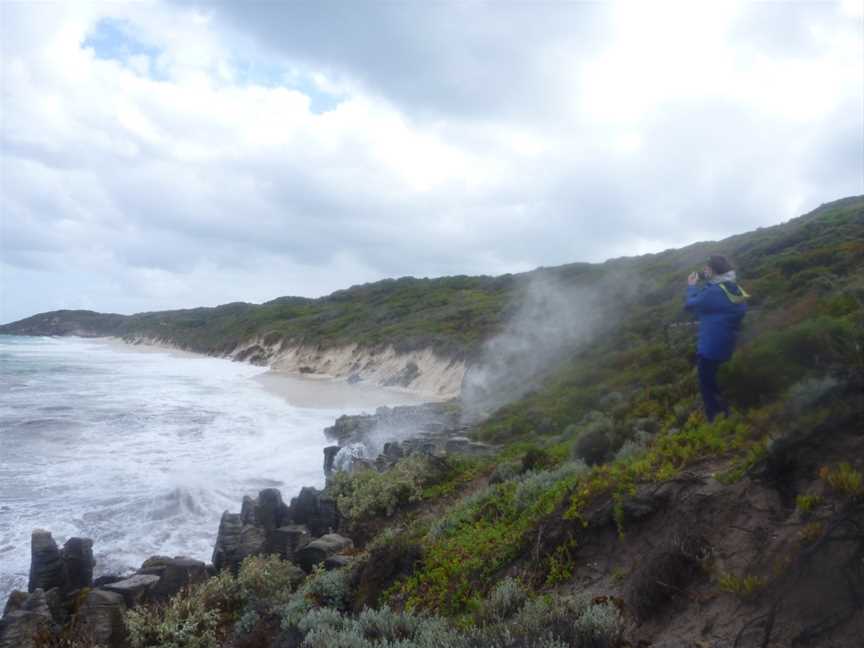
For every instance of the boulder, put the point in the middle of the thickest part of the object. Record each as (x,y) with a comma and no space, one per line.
(133,589)
(319,550)
(174,574)
(288,540)
(102,617)
(78,563)
(46,563)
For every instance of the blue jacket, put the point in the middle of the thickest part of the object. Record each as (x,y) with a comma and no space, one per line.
(719,318)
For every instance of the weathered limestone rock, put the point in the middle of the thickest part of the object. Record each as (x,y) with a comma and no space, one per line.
(288,540)
(102,614)
(330,453)
(134,589)
(174,574)
(26,617)
(78,563)
(270,511)
(316,510)
(319,550)
(226,550)
(46,563)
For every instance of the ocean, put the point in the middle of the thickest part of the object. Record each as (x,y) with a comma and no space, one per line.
(142,452)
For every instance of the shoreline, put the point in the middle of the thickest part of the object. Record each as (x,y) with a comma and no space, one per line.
(315,391)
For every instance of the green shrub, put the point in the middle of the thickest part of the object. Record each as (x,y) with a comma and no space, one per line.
(191,619)
(370,493)
(779,359)
(505,471)
(508,597)
(600,625)
(595,439)
(323,589)
(199,616)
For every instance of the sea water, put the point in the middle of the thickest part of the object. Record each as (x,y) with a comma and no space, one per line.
(142,452)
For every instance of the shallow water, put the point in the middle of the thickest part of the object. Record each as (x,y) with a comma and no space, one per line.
(139,451)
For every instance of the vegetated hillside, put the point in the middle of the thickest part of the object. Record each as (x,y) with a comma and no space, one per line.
(810,255)
(612,514)
(451,315)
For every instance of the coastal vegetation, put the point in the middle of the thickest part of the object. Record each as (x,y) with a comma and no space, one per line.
(610,509)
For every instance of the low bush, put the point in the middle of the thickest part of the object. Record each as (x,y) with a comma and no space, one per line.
(203,615)
(322,589)
(371,493)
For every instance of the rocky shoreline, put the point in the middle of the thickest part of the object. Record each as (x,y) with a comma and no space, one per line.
(62,592)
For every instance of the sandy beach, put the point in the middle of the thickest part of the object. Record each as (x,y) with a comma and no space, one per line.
(301,390)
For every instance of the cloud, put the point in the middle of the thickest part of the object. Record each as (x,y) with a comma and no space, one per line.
(160,154)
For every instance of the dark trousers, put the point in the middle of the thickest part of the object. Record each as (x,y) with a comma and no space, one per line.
(714,405)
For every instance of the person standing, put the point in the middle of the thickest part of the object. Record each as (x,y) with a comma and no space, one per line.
(720,306)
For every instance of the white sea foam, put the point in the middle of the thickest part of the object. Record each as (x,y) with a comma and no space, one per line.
(141,452)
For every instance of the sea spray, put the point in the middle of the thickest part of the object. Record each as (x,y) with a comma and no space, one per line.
(142,452)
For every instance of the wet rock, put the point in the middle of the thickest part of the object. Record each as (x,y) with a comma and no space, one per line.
(46,563)
(174,574)
(133,589)
(288,540)
(345,427)
(227,549)
(78,563)
(19,629)
(319,550)
(330,453)
(102,615)
(270,511)
(316,510)
(247,511)
(25,617)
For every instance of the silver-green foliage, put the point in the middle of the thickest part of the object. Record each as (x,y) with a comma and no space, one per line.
(381,628)
(508,597)
(532,485)
(323,589)
(192,618)
(370,492)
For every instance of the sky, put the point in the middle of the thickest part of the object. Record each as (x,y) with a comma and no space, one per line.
(168,154)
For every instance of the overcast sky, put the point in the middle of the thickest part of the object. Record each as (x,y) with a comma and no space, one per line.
(172,154)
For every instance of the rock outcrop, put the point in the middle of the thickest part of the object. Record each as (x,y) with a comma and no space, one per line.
(379,440)
(266,525)
(319,550)
(68,569)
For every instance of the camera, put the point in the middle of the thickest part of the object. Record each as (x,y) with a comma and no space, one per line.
(702,275)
